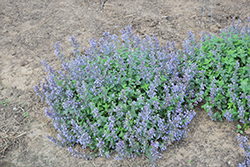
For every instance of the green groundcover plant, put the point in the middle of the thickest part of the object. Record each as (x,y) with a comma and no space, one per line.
(134,97)
(225,61)
(131,97)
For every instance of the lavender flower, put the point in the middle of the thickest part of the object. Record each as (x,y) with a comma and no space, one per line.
(129,96)
(246,149)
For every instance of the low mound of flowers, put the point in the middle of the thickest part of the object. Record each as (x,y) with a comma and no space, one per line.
(225,62)
(133,97)
(130,97)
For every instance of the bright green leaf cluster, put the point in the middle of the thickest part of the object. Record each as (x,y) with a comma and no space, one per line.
(225,60)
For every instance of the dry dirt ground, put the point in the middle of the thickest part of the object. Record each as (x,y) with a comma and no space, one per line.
(29,31)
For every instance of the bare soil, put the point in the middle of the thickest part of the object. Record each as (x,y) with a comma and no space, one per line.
(29,31)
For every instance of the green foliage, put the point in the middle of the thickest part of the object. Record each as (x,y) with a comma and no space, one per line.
(26,114)
(129,97)
(136,98)
(4,102)
(225,61)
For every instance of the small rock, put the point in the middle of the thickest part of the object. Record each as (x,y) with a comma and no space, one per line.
(14,108)
(229,162)
(218,25)
(165,17)
(23,63)
(193,17)
(214,28)
(5,31)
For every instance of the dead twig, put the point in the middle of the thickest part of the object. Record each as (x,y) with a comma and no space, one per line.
(103,2)
(4,149)
(16,131)
(5,133)
(19,135)
(128,15)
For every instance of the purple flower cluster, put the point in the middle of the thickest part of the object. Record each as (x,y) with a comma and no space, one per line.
(246,149)
(132,97)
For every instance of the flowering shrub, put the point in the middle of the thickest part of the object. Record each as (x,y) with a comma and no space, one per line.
(130,96)
(225,61)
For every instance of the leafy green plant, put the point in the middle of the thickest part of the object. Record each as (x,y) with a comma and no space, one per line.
(225,60)
(26,114)
(131,97)
(4,102)
(239,129)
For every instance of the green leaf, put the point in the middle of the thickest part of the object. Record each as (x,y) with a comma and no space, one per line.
(121,135)
(106,106)
(106,127)
(163,78)
(239,127)
(124,85)
(245,86)
(207,62)
(231,52)
(216,116)
(73,82)
(103,119)
(245,126)
(68,122)
(229,104)
(145,86)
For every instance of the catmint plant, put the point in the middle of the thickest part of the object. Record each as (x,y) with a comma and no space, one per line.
(225,61)
(128,96)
